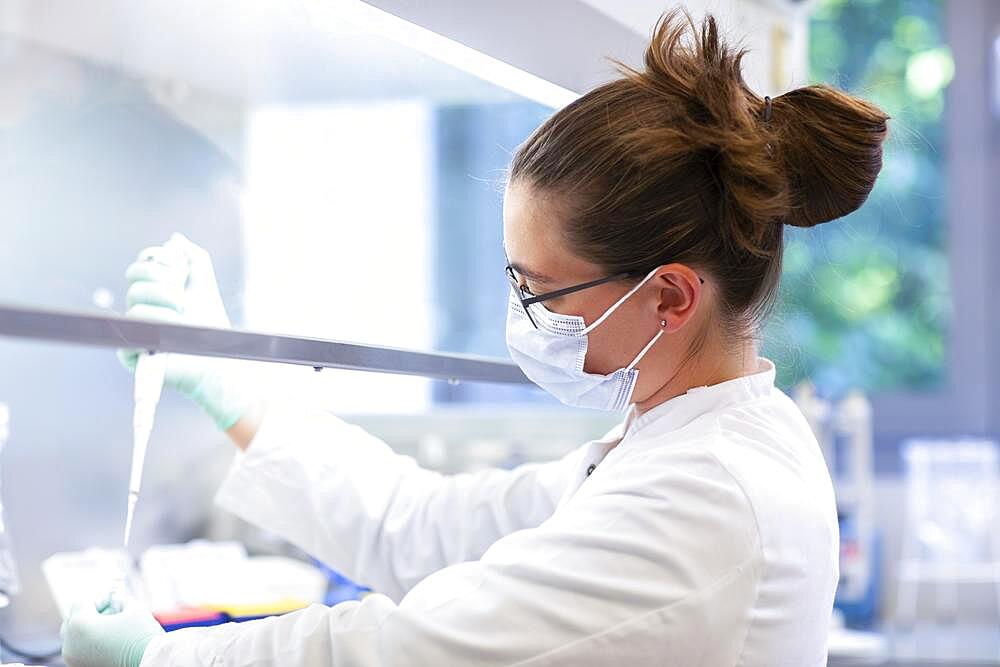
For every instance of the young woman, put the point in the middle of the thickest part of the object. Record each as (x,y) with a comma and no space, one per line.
(643,228)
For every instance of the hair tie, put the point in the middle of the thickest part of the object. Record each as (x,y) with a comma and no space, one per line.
(767,109)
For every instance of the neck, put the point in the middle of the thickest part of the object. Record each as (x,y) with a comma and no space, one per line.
(706,369)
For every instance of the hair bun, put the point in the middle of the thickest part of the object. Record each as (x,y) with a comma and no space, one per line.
(830,143)
(802,158)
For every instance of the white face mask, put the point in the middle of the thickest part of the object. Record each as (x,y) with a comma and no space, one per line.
(553,354)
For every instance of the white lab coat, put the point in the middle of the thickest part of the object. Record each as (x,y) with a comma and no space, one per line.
(705,535)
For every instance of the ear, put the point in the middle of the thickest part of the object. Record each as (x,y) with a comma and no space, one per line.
(680,290)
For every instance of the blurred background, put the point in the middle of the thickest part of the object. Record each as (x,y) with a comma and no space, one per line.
(344,163)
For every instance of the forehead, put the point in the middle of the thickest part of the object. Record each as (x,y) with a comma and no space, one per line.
(532,234)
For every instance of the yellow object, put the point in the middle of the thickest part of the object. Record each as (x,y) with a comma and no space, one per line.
(282,606)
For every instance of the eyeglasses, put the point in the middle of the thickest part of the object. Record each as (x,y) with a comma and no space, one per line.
(527,298)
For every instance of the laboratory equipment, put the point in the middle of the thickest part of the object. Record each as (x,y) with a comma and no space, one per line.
(116,332)
(861,647)
(150,370)
(84,575)
(844,432)
(8,573)
(816,410)
(950,535)
(860,542)
(195,584)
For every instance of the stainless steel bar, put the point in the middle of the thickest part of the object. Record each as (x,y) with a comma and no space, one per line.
(116,332)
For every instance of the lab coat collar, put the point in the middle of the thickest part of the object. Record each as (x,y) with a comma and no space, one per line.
(684,408)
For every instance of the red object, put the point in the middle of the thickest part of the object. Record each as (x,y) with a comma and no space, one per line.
(188,617)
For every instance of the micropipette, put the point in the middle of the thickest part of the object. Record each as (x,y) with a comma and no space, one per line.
(150,370)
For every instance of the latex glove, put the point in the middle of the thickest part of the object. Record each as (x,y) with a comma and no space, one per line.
(94,637)
(175,282)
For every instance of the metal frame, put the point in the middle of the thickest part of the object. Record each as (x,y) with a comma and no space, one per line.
(114,331)
(563,42)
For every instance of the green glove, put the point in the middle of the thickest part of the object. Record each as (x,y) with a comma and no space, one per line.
(94,637)
(175,282)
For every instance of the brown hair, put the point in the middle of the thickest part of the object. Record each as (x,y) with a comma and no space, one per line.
(682,162)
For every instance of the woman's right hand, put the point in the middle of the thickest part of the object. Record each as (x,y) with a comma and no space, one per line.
(176,283)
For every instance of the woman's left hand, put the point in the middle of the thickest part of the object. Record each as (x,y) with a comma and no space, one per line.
(94,636)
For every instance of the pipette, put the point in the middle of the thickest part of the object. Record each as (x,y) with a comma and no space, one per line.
(150,370)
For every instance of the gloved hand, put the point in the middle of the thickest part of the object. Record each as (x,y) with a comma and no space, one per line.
(175,282)
(94,637)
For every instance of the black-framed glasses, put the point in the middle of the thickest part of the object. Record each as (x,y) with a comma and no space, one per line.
(527,299)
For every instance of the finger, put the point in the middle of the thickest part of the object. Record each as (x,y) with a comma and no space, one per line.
(181,242)
(108,606)
(154,272)
(155,294)
(128,358)
(195,254)
(148,253)
(166,255)
(145,311)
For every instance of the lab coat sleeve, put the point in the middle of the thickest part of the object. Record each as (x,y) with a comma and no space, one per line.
(346,498)
(650,564)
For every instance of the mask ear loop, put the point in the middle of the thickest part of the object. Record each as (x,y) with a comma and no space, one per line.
(614,306)
(644,350)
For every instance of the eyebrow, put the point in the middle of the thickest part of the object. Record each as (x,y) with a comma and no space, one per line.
(532,275)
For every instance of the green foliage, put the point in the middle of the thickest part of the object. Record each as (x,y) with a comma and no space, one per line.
(864,300)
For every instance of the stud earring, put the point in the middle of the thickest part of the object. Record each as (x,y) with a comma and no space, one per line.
(663,323)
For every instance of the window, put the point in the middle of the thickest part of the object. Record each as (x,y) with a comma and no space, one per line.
(361,208)
(381,222)
(865,299)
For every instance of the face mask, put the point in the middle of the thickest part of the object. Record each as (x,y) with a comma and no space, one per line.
(552,355)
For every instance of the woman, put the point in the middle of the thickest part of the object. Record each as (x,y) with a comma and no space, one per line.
(643,227)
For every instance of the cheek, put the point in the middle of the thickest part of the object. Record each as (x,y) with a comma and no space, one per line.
(600,357)
(612,345)
(568,305)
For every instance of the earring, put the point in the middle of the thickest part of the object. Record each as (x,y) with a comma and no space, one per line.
(663,323)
